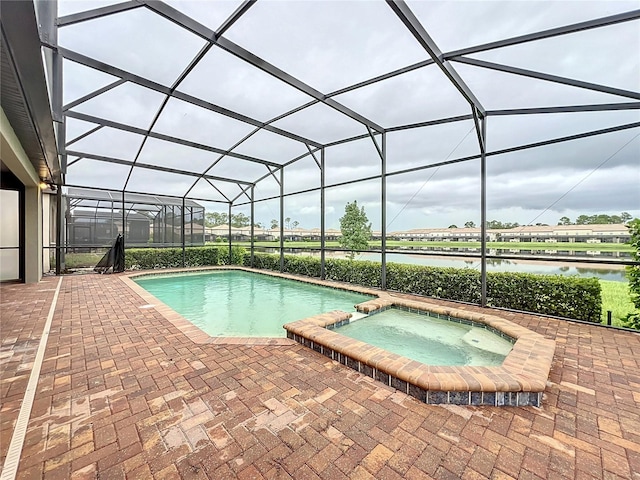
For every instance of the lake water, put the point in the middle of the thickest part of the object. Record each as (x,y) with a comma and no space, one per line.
(605,272)
(614,273)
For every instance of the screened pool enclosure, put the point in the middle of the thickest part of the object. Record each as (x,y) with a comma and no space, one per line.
(95,217)
(426,113)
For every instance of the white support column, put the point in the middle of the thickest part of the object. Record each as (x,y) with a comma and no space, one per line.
(32,234)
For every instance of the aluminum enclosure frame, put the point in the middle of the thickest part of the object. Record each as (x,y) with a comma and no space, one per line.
(444,61)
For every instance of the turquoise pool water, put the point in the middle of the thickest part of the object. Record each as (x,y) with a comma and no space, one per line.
(243,304)
(428,339)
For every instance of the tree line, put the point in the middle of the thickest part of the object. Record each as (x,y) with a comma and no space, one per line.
(240,220)
(597,219)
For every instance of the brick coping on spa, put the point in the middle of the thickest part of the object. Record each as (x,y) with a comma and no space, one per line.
(520,380)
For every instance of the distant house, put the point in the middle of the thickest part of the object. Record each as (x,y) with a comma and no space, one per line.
(614,233)
(439,234)
(212,234)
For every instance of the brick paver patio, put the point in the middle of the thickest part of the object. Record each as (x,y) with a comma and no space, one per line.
(124,394)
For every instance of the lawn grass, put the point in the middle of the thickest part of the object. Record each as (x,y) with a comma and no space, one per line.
(615,297)
(82,260)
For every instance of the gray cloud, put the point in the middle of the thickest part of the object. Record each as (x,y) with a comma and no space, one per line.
(159,51)
(110,142)
(310,39)
(322,124)
(484,22)
(418,96)
(220,78)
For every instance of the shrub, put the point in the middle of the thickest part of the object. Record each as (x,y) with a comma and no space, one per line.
(149,258)
(633,272)
(360,272)
(263,261)
(462,284)
(569,297)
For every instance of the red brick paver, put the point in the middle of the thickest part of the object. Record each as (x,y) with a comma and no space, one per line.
(123,393)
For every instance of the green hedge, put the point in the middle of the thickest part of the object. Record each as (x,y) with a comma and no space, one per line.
(149,258)
(569,297)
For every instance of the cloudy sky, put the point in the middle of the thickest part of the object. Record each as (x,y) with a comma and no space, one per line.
(330,45)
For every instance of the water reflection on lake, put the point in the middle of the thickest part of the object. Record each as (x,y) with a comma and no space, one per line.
(604,272)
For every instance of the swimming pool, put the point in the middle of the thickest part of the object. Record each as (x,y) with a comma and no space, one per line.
(429,339)
(239,303)
(520,380)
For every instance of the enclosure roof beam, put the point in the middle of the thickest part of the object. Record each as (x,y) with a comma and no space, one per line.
(554,32)
(356,86)
(404,13)
(547,77)
(439,121)
(206,33)
(179,18)
(83,135)
(256,61)
(194,61)
(154,167)
(144,82)
(567,138)
(243,192)
(567,109)
(520,147)
(235,16)
(158,196)
(75,161)
(350,88)
(385,76)
(161,136)
(217,189)
(97,13)
(303,155)
(93,94)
